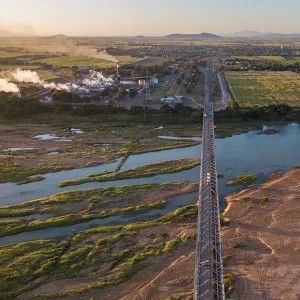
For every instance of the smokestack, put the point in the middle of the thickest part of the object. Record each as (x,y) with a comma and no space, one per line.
(118,72)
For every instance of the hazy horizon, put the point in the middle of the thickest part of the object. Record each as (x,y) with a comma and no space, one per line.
(131,18)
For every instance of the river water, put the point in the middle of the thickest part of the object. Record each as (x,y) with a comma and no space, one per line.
(247,153)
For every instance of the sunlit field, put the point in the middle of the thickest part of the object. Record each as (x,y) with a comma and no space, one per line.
(264,88)
(71,61)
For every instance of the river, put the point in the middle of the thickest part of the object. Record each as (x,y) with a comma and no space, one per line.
(247,153)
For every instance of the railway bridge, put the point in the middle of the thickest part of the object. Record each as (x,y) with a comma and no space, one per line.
(209,283)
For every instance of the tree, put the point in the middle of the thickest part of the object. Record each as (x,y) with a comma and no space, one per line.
(121,93)
(132,93)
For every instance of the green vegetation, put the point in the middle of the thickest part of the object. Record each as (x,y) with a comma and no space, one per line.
(265,88)
(163,167)
(24,67)
(17,226)
(264,199)
(13,172)
(71,61)
(237,245)
(229,129)
(229,282)
(31,179)
(178,215)
(220,175)
(162,90)
(243,180)
(152,61)
(262,58)
(135,147)
(6,54)
(94,198)
(225,222)
(44,75)
(25,266)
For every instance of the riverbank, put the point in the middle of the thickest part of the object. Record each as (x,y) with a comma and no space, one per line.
(261,244)
(75,207)
(96,260)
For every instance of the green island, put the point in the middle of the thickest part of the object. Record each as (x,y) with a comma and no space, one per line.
(163,167)
(79,206)
(243,180)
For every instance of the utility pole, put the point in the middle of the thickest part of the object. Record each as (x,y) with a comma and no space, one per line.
(148,90)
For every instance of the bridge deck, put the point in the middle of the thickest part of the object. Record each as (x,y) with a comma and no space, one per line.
(209,283)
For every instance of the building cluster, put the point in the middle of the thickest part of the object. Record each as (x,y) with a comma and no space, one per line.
(180,50)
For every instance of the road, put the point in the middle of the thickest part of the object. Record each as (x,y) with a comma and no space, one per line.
(182,82)
(208,283)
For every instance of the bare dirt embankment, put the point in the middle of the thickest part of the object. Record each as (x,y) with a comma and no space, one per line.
(263,239)
(260,247)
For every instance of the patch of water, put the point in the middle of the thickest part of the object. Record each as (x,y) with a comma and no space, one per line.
(61,233)
(10,193)
(196,139)
(52,153)
(51,137)
(46,137)
(36,217)
(17,149)
(247,153)
(63,140)
(77,130)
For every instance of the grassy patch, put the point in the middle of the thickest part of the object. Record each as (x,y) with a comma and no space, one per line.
(23,67)
(44,75)
(95,198)
(264,199)
(17,226)
(13,172)
(25,266)
(31,179)
(237,245)
(242,180)
(262,58)
(178,215)
(152,61)
(229,283)
(5,54)
(265,88)
(163,167)
(71,61)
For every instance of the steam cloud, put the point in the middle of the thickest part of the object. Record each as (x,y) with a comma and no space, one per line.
(28,76)
(96,80)
(69,47)
(8,87)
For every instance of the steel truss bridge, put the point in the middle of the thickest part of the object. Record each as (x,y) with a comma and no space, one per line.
(209,283)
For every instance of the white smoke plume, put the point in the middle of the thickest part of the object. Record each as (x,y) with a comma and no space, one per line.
(26,76)
(67,46)
(8,87)
(85,51)
(98,80)
(58,86)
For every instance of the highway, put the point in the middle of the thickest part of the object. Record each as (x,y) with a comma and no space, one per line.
(208,280)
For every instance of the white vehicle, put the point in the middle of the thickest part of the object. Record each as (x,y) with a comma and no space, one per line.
(208,178)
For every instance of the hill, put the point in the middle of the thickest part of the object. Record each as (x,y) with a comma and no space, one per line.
(202,35)
(247,33)
(58,36)
(6,33)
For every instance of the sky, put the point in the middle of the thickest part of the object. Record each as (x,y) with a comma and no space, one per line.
(150,18)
